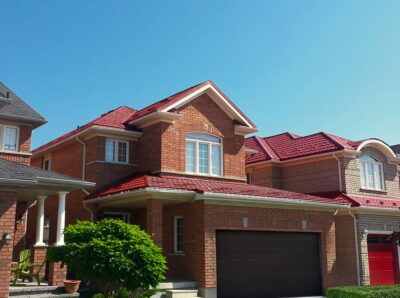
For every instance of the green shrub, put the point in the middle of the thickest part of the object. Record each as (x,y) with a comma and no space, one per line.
(364,292)
(113,254)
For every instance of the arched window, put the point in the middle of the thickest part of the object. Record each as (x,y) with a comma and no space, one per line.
(371,173)
(203,154)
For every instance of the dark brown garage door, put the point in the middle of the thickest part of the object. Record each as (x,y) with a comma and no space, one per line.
(267,264)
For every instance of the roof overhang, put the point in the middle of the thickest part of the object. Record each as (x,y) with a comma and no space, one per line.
(35,122)
(375,211)
(157,116)
(165,113)
(212,198)
(92,131)
(244,130)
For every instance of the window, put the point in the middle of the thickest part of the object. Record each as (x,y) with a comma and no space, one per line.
(47,165)
(46,230)
(124,216)
(116,151)
(248,178)
(178,234)
(9,138)
(371,173)
(203,154)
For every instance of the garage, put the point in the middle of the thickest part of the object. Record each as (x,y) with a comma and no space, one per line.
(381,259)
(268,264)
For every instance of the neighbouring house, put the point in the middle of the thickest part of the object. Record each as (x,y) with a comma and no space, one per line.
(23,186)
(177,169)
(364,173)
(396,149)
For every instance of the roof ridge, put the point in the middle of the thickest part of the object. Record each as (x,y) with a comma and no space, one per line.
(328,136)
(272,156)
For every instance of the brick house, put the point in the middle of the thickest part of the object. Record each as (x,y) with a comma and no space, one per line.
(365,173)
(22,186)
(177,169)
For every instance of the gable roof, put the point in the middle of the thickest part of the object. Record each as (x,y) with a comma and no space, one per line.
(288,146)
(208,186)
(114,119)
(124,117)
(15,108)
(396,149)
(169,103)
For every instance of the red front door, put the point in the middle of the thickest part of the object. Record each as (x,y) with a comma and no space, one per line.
(381,258)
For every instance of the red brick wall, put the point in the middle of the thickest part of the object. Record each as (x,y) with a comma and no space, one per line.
(25,134)
(15,157)
(190,265)
(19,232)
(202,115)
(7,222)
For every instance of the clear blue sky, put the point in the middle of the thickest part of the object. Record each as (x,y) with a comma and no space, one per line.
(299,66)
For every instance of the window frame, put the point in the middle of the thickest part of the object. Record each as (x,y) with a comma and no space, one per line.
(126,216)
(363,167)
(3,138)
(176,250)
(210,144)
(117,141)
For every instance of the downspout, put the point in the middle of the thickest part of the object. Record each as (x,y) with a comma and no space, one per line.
(339,171)
(357,248)
(83,157)
(84,176)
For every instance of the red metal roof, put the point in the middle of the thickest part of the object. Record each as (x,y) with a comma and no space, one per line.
(288,146)
(120,117)
(207,186)
(164,103)
(363,200)
(114,118)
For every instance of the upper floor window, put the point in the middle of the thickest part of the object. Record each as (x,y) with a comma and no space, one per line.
(116,151)
(203,154)
(371,173)
(9,138)
(47,165)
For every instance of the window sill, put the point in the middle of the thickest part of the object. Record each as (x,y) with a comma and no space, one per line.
(373,190)
(112,163)
(15,152)
(178,254)
(204,175)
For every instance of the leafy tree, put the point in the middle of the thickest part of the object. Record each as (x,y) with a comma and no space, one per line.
(113,254)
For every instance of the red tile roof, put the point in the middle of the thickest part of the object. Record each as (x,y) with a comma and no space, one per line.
(363,200)
(164,103)
(120,117)
(207,186)
(114,118)
(288,146)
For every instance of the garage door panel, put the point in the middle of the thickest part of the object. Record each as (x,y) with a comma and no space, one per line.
(267,264)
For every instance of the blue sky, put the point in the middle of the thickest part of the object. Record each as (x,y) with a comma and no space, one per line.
(299,66)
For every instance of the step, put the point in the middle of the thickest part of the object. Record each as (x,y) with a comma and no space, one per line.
(188,293)
(39,292)
(177,284)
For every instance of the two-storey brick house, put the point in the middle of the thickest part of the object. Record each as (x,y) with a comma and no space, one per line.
(22,186)
(365,173)
(177,169)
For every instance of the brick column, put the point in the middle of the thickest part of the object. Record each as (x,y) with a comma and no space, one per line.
(57,274)
(154,214)
(38,257)
(8,202)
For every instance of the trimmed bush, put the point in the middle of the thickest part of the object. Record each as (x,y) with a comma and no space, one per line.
(112,254)
(364,292)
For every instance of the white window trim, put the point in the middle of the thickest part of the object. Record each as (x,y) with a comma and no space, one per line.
(126,216)
(3,138)
(365,174)
(116,151)
(196,155)
(50,163)
(176,234)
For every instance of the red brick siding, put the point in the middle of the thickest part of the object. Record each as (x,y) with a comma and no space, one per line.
(203,115)
(25,134)
(7,222)
(19,232)
(147,153)
(15,157)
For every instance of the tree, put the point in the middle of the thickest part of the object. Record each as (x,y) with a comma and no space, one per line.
(113,254)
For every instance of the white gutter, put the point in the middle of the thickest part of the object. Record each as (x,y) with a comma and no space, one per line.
(258,199)
(65,181)
(339,171)
(357,247)
(83,156)
(9,181)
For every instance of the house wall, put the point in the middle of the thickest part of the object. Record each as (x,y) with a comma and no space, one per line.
(25,133)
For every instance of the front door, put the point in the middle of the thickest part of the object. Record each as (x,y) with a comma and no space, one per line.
(381,258)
